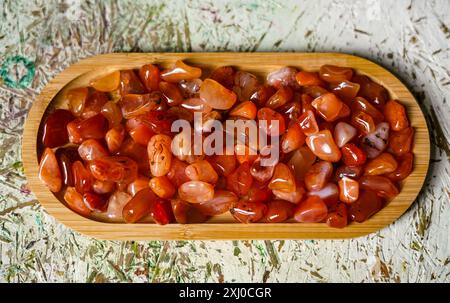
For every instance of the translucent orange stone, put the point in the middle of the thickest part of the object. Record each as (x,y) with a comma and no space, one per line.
(361,104)
(404,168)
(149,75)
(92,128)
(278,211)
(313,209)
(140,183)
(202,171)
(113,113)
(306,101)
(308,123)
(282,96)
(318,175)
(114,168)
(245,85)
(139,206)
(114,138)
(246,109)
(259,192)
(345,90)
(75,201)
(116,203)
(348,190)
(224,75)
(305,78)
(216,95)
(92,149)
(55,128)
(130,83)
(365,207)
(343,133)
(137,152)
(76,98)
(95,202)
(94,104)
(159,154)
(103,187)
(141,134)
(240,180)
(223,164)
(171,93)
(352,155)
(381,185)
(328,106)
(186,213)
(363,122)
(383,164)
(248,212)
(329,194)
(177,173)
(284,76)
(371,91)
(301,161)
(292,197)
(262,173)
(107,83)
(261,95)
(283,179)
(400,142)
(82,177)
(292,139)
(245,154)
(338,218)
(291,111)
(335,74)
(180,71)
(395,114)
(196,191)
(49,172)
(133,105)
(162,187)
(323,146)
(272,118)
(222,202)
(353,172)
(66,156)
(196,105)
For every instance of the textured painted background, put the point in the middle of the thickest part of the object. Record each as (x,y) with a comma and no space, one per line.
(411,38)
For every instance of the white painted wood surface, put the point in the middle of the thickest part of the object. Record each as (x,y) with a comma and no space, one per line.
(411,38)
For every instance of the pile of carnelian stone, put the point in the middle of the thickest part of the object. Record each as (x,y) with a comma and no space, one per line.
(344,146)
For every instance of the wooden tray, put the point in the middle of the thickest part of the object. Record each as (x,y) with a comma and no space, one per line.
(221,227)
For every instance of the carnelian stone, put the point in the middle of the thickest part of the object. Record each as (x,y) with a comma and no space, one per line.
(352,155)
(82,177)
(313,209)
(328,106)
(49,172)
(75,202)
(180,71)
(149,75)
(335,74)
(338,218)
(240,180)
(55,128)
(404,168)
(216,95)
(278,211)
(383,164)
(383,186)
(400,142)
(196,191)
(318,175)
(365,207)
(107,83)
(248,212)
(92,149)
(222,202)
(348,190)
(186,213)
(139,206)
(114,168)
(283,179)
(395,114)
(323,146)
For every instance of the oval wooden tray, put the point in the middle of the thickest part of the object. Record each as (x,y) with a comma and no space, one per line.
(221,227)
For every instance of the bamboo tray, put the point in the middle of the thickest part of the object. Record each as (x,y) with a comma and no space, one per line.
(221,227)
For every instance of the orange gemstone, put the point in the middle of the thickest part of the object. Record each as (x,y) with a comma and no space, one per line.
(401,142)
(348,190)
(323,146)
(318,175)
(162,187)
(202,171)
(328,106)
(246,109)
(49,172)
(313,209)
(283,179)
(107,83)
(196,191)
(217,96)
(335,74)
(180,71)
(305,78)
(75,201)
(383,164)
(395,114)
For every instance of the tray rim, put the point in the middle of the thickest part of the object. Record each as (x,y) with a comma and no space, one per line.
(220,231)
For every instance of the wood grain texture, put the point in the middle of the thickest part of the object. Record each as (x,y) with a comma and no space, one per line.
(223,227)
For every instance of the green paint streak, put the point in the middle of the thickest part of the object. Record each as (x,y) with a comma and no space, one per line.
(25,80)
